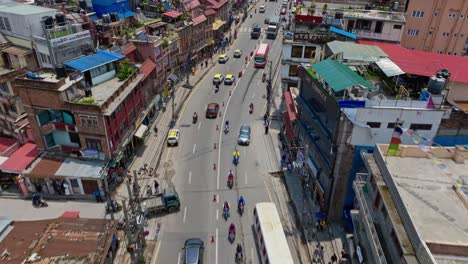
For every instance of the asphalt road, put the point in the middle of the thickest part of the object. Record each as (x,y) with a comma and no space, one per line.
(200,170)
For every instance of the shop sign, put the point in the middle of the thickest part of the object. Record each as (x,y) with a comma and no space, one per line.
(311,37)
(69,38)
(91,153)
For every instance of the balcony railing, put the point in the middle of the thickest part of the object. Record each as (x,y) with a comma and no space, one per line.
(358,184)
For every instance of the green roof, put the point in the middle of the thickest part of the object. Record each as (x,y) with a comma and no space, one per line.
(338,76)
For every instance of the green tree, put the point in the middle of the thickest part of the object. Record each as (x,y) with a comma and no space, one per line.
(125,69)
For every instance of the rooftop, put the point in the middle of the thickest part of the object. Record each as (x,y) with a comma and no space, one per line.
(424,178)
(356,52)
(23,9)
(61,240)
(49,78)
(375,15)
(85,63)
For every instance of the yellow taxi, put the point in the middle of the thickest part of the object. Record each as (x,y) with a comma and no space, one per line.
(229,79)
(223,58)
(173,137)
(218,78)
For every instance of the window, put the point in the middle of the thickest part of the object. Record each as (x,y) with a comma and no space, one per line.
(413,32)
(397,26)
(102,70)
(119,108)
(13,108)
(7,23)
(74,138)
(418,13)
(309,52)
(4,89)
(49,140)
(89,121)
(2,25)
(430,33)
(421,126)
(44,58)
(296,52)
(445,34)
(392,125)
(93,144)
(363,24)
(374,124)
(293,72)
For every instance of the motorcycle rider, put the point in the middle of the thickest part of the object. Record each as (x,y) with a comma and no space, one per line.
(239,250)
(195,116)
(251,107)
(226,206)
(226,126)
(241,201)
(230,176)
(232,228)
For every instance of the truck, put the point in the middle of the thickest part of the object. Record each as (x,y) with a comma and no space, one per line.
(256,31)
(161,202)
(271,32)
(274,21)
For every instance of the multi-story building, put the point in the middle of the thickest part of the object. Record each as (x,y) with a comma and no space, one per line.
(339,114)
(411,206)
(437,26)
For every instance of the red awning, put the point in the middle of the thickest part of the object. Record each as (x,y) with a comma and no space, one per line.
(20,159)
(288,127)
(172,14)
(291,110)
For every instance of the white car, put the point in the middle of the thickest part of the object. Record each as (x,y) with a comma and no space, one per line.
(229,79)
(237,53)
(261,9)
(223,58)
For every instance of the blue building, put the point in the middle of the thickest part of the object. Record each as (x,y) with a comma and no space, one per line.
(121,7)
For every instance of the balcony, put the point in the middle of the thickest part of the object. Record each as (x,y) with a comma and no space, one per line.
(57,126)
(374,243)
(368,34)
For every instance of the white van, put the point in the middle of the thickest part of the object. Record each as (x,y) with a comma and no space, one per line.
(262,9)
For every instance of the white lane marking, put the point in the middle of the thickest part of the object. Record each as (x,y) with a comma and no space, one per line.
(217,214)
(245,178)
(216,249)
(252,255)
(179,257)
(199,125)
(194,147)
(189,177)
(185,214)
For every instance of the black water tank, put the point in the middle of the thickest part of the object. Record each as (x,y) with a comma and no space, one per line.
(60,18)
(60,71)
(48,21)
(83,4)
(114,16)
(339,15)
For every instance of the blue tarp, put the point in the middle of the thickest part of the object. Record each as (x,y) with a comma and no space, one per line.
(86,63)
(167,6)
(342,32)
(109,6)
(125,14)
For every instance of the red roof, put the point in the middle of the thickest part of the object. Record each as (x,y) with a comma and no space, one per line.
(216,4)
(189,6)
(147,67)
(424,63)
(289,102)
(129,49)
(172,13)
(5,143)
(20,159)
(209,12)
(199,19)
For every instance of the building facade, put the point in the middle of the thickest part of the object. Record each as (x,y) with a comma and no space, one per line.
(437,26)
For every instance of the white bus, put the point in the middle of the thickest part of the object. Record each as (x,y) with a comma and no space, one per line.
(270,236)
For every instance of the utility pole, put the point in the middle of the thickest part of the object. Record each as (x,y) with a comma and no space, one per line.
(269,90)
(189,57)
(134,223)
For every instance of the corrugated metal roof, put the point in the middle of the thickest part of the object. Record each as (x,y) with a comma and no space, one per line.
(357,52)
(389,67)
(80,168)
(86,63)
(21,158)
(25,10)
(338,76)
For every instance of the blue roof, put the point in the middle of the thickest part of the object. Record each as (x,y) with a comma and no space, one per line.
(342,32)
(86,63)
(126,14)
(167,5)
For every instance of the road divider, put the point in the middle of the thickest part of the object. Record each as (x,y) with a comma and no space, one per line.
(185,214)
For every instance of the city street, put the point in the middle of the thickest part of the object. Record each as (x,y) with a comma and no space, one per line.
(201,163)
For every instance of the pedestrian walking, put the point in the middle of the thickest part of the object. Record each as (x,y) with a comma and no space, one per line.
(334,258)
(156,186)
(97,194)
(322,253)
(316,255)
(206,63)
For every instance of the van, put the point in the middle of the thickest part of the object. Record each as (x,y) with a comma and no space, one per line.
(262,9)
(274,21)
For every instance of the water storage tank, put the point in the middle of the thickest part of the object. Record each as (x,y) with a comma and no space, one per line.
(436,85)
(106,19)
(339,15)
(60,71)
(114,16)
(395,6)
(83,4)
(60,18)
(48,21)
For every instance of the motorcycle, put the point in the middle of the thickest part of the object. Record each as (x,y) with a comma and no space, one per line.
(226,213)
(195,118)
(226,129)
(240,207)
(230,182)
(217,88)
(113,206)
(251,108)
(239,257)
(232,234)
(235,160)
(37,201)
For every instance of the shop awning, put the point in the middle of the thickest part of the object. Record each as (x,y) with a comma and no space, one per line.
(218,24)
(141,131)
(81,168)
(290,108)
(20,159)
(288,127)
(43,168)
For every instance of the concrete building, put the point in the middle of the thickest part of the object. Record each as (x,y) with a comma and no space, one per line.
(411,207)
(437,26)
(67,239)
(339,113)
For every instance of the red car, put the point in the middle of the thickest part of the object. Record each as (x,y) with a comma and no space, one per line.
(283,11)
(212,110)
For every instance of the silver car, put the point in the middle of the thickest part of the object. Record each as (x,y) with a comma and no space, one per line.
(244,135)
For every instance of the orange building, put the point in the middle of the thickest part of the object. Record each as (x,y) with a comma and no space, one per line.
(439,26)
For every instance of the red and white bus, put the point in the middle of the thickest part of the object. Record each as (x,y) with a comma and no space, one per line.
(261,56)
(269,235)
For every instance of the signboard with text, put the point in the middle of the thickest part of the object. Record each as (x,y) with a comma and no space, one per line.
(69,38)
(312,37)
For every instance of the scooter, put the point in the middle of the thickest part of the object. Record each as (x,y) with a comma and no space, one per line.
(37,201)
(251,109)
(226,129)
(217,88)
(230,183)
(195,119)
(235,160)
(232,236)
(241,209)
(226,214)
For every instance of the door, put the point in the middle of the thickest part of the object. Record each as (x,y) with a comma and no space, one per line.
(89,186)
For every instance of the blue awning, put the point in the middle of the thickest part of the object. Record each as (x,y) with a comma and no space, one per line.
(125,14)
(167,5)
(86,63)
(342,32)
